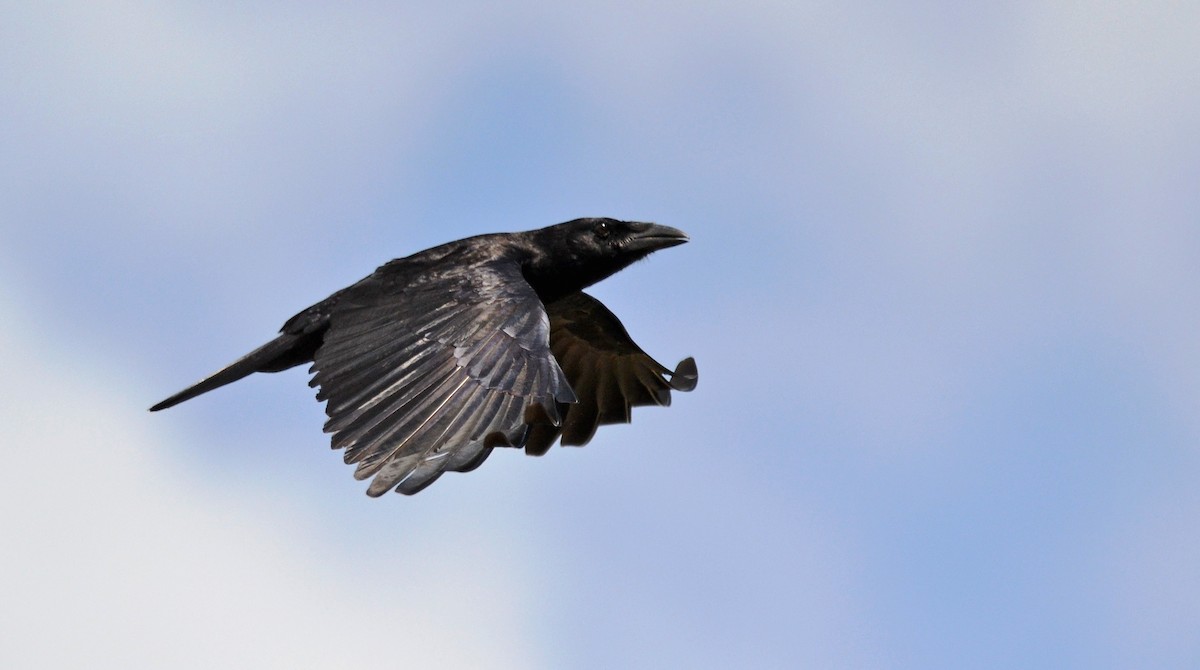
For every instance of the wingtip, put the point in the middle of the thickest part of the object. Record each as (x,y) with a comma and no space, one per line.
(685,376)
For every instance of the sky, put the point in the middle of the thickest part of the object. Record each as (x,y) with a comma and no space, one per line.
(941,290)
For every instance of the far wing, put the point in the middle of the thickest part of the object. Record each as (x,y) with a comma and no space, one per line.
(609,373)
(429,376)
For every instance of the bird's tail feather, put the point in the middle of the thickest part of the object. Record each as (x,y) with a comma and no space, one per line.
(263,359)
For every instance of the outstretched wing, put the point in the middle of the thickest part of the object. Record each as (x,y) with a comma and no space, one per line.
(609,373)
(429,375)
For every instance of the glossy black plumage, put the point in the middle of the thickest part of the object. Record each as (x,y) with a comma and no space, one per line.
(435,359)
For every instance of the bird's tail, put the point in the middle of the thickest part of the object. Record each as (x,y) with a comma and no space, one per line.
(278,354)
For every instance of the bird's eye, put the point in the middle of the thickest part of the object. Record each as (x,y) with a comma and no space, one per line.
(603,230)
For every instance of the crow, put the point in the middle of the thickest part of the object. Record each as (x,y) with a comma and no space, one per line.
(435,359)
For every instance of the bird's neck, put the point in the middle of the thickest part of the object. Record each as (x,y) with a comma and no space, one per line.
(558,274)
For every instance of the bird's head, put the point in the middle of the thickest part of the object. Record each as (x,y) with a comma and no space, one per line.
(571,256)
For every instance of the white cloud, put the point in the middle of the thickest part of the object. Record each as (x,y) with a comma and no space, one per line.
(117,558)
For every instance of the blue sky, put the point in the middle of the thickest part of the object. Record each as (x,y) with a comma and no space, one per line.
(941,290)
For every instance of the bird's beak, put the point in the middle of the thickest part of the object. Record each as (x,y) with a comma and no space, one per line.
(649,237)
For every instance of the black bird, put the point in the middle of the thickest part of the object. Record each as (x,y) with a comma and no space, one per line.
(435,359)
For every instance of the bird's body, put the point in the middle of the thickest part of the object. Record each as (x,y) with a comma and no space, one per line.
(434,359)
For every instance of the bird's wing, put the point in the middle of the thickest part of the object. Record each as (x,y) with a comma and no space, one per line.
(607,370)
(429,375)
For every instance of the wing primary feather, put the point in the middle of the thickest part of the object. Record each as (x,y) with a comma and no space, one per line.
(446,444)
(417,382)
(501,372)
(659,390)
(685,376)
(630,387)
(364,429)
(398,380)
(373,461)
(351,372)
(469,458)
(378,387)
